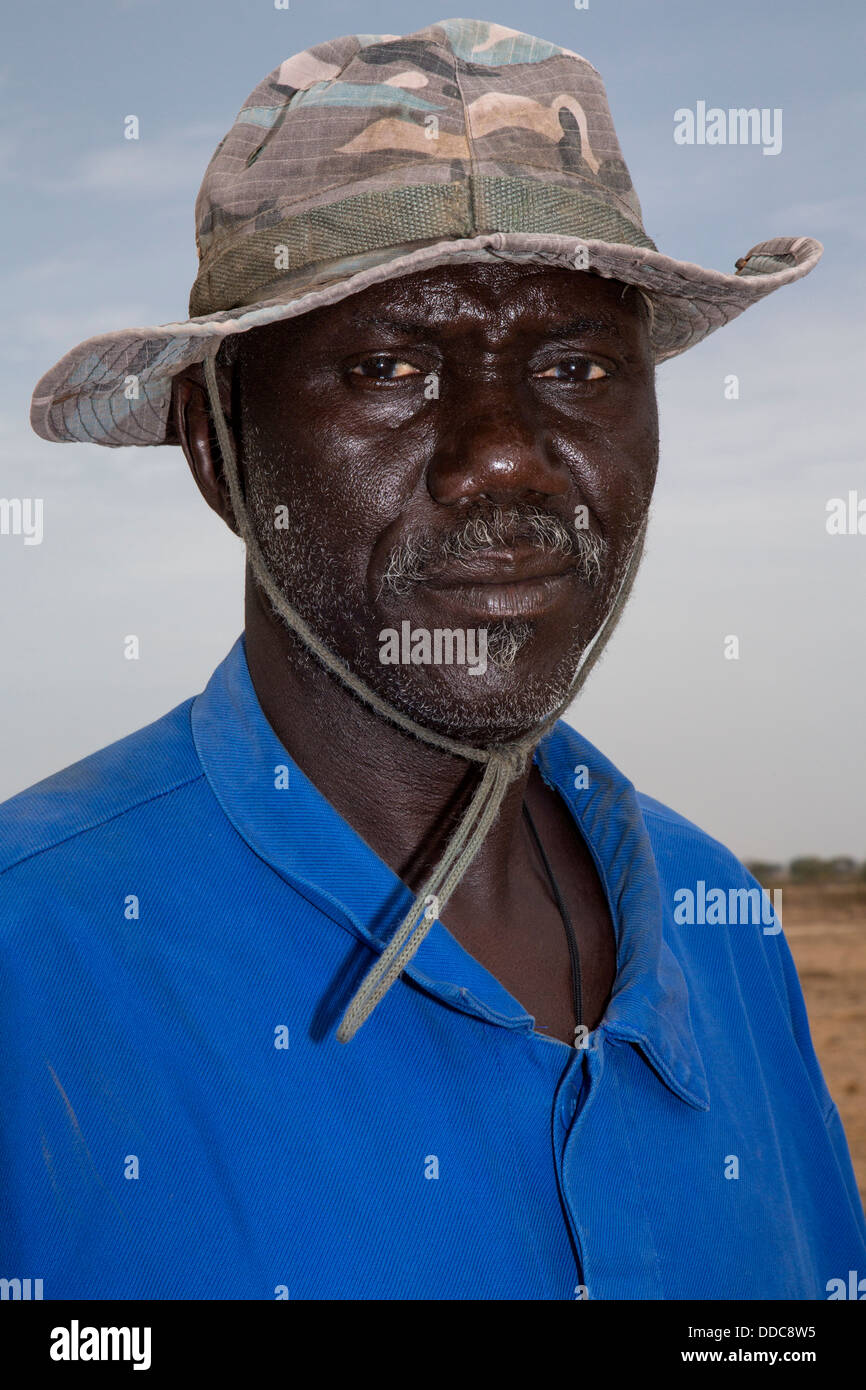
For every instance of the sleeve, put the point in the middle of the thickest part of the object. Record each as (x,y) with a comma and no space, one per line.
(796,1005)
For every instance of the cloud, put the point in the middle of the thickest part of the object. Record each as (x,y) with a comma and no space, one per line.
(151,167)
(846,213)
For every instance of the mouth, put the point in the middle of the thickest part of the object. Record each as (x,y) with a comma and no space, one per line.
(510,583)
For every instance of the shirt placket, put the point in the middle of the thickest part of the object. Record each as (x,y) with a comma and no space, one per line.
(568,1102)
(600,1187)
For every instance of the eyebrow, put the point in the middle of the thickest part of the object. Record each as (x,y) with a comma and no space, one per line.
(412,327)
(574,328)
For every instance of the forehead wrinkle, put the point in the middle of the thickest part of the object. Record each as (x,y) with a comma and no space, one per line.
(422,307)
(417,328)
(500,304)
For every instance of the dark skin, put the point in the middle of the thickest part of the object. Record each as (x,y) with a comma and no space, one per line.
(545,397)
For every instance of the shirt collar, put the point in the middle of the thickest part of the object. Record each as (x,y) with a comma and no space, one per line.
(302,837)
(650,1001)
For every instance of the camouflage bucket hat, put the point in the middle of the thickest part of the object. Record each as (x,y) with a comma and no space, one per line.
(374,156)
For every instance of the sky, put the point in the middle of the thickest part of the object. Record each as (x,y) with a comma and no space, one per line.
(766,753)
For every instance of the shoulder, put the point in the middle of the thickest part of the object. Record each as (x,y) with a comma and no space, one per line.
(153,762)
(675,835)
(567,754)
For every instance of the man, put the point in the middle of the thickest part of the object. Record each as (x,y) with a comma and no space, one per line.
(361,975)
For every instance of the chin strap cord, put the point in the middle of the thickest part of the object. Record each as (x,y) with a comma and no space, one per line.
(503,763)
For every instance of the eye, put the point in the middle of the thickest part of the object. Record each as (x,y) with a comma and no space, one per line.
(381,367)
(575,369)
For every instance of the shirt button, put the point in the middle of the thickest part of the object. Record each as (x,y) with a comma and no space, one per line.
(568,1104)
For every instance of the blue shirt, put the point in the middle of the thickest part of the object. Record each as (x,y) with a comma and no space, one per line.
(183,918)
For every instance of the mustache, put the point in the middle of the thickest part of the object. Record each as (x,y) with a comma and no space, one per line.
(421,556)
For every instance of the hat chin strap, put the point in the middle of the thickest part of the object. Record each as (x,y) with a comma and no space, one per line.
(502,763)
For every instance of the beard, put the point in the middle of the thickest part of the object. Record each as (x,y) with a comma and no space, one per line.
(514,695)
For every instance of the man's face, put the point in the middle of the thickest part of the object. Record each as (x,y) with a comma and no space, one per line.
(470,450)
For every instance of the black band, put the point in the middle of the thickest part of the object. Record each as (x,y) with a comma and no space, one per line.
(573,952)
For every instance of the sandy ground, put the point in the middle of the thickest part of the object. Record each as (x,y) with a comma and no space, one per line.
(826,929)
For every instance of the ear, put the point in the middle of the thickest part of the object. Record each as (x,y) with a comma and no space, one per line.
(196,434)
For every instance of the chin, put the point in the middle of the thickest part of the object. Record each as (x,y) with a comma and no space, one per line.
(499,705)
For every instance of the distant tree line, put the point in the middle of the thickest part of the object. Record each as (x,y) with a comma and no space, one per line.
(808,868)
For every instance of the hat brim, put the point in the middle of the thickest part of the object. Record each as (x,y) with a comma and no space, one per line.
(115,389)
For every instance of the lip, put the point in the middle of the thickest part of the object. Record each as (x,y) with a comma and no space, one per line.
(515,565)
(526,596)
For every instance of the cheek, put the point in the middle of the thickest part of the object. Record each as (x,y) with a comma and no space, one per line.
(348,498)
(613,457)
(637,459)
(364,475)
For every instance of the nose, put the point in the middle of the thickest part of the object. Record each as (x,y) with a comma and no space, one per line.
(492,447)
